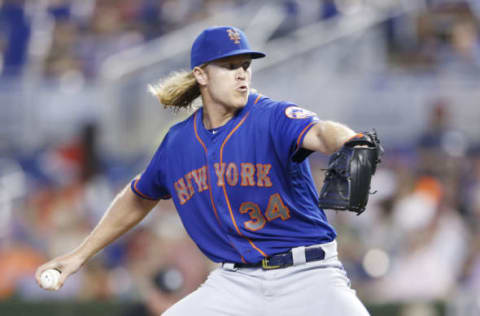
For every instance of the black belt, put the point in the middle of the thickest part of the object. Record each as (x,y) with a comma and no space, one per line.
(283,260)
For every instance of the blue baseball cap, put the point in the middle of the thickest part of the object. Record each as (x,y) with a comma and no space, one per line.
(219,42)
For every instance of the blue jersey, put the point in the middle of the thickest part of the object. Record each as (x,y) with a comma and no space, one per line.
(239,193)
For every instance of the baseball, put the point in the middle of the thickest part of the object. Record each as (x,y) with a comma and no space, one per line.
(49,279)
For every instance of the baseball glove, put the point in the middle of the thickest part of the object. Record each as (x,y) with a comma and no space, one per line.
(347,181)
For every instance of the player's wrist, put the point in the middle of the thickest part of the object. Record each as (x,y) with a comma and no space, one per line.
(82,254)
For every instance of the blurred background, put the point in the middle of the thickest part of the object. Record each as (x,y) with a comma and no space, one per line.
(77,124)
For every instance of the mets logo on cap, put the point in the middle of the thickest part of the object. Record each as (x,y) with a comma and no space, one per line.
(234,35)
(219,42)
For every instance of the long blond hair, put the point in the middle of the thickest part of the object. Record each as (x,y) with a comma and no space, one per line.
(177,91)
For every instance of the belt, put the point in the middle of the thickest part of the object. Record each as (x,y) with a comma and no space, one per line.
(295,256)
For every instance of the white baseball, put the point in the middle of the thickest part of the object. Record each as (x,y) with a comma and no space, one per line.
(49,279)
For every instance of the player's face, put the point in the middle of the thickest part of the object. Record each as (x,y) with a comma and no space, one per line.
(229,80)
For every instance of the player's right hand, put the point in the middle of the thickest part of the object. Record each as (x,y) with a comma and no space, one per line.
(66,265)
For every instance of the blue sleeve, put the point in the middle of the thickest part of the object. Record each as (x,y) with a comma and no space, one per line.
(152,184)
(288,126)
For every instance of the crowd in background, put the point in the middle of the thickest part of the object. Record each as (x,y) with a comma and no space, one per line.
(418,241)
(446,36)
(65,37)
(75,36)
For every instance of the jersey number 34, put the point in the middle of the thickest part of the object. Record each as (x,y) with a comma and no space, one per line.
(275,209)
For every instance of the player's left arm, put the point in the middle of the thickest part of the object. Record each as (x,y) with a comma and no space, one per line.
(327,137)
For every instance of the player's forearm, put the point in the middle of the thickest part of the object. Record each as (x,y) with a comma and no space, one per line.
(125,212)
(334,135)
(327,137)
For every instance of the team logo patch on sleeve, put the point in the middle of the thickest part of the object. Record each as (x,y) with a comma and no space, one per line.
(295,112)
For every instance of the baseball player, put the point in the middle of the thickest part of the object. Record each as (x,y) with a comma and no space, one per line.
(237,172)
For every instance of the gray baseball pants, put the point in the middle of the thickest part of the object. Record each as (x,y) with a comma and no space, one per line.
(312,288)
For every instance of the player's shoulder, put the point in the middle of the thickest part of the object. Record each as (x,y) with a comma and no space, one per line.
(265,103)
(183,123)
(265,106)
(178,129)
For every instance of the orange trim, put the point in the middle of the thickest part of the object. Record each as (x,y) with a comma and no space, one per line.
(247,178)
(258,98)
(258,217)
(208,173)
(219,171)
(263,180)
(208,179)
(140,193)
(182,191)
(303,132)
(275,209)
(359,135)
(232,177)
(225,191)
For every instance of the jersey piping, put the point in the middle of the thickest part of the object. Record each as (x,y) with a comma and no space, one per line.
(300,137)
(225,190)
(224,187)
(209,181)
(142,195)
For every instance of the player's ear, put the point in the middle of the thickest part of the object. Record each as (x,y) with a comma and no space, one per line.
(200,75)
